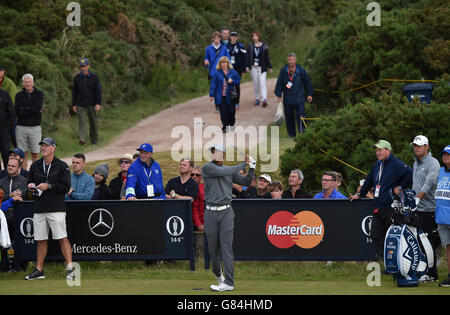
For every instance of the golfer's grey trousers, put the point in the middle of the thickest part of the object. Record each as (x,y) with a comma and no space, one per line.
(219,229)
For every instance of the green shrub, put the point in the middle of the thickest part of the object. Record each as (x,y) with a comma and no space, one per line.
(349,134)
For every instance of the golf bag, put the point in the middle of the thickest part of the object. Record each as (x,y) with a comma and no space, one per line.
(407,251)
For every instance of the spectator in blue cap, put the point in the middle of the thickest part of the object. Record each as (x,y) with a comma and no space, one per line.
(86,101)
(144,178)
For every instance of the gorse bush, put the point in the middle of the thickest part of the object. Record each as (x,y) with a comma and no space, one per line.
(351,132)
(411,43)
(138,48)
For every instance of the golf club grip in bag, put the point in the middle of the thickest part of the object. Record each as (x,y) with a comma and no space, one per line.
(407,254)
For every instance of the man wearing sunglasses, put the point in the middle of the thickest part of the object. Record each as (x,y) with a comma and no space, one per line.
(116,183)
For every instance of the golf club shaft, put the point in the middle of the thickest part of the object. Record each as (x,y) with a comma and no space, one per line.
(205,124)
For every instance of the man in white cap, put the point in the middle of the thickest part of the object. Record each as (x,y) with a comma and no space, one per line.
(219,215)
(425,174)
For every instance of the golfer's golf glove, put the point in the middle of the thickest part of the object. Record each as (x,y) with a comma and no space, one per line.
(252,163)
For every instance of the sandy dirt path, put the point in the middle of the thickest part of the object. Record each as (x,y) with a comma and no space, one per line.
(157,129)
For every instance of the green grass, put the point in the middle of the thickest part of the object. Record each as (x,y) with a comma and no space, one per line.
(175,278)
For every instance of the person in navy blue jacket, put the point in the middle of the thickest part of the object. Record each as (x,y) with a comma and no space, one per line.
(223,82)
(388,176)
(293,84)
(144,177)
(238,58)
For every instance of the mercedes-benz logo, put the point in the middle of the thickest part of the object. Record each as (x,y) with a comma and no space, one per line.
(101,222)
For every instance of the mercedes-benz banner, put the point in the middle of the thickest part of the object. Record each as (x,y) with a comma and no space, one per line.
(115,230)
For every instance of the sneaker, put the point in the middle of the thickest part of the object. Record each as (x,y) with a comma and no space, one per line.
(264,103)
(222,287)
(257,103)
(82,142)
(36,274)
(70,274)
(217,110)
(445,283)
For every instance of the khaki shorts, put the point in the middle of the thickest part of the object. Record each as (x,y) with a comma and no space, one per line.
(28,138)
(43,222)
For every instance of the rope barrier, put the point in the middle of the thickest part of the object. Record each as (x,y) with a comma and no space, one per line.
(372,83)
(325,152)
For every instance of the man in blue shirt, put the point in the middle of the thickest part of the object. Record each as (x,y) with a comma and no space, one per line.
(328,187)
(82,184)
(144,178)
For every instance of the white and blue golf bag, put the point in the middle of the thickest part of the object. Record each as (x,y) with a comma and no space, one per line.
(407,251)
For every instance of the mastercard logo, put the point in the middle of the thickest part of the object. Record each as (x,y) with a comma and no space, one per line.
(304,229)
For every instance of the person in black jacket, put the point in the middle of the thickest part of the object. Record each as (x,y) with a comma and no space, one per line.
(295,190)
(117,183)
(7,117)
(258,64)
(28,107)
(101,191)
(50,181)
(238,58)
(86,101)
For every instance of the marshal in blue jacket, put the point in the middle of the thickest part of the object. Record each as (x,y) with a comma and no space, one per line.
(395,173)
(215,88)
(140,175)
(301,85)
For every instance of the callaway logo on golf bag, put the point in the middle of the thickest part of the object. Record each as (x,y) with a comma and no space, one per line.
(407,251)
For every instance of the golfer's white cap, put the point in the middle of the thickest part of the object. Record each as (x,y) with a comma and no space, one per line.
(419,140)
(218,147)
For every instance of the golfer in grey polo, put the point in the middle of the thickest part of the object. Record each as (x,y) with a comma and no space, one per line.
(219,215)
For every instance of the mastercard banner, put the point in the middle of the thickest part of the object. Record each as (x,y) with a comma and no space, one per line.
(303,229)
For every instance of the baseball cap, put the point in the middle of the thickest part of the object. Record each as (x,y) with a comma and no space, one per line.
(419,140)
(446,150)
(84,62)
(233,33)
(147,147)
(266,177)
(219,147)
(383,144)
(48,141)
(19,152)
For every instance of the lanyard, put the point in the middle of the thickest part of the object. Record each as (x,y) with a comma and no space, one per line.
(48,170)
(257,51)
(379,173)
(291,78)
(148,176)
